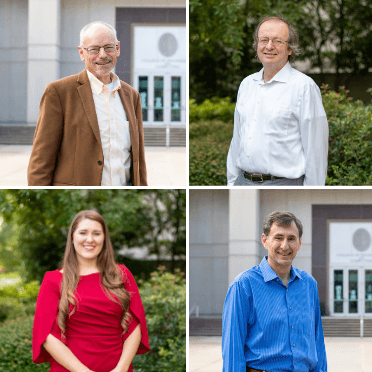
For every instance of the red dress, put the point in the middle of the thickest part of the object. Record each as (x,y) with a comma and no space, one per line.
(93,332)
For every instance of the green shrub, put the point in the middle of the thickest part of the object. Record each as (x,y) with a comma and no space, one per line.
(209,145)
(164,299)
(16,347)
(10,308)
(350,145)
(216,108)
(25,292)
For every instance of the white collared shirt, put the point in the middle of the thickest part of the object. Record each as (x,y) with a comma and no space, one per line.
(114,130)
(280,128)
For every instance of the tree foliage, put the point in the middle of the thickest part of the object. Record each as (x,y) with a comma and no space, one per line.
(42,219)
(334,35)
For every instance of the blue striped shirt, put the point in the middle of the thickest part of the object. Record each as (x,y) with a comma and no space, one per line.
(271,327)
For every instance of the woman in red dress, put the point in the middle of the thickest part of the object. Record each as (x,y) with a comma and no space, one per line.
(89,315)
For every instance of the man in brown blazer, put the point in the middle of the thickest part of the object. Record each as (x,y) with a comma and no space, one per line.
(85,134)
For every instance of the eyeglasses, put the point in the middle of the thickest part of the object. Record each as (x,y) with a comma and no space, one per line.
(95,50)
(276,41)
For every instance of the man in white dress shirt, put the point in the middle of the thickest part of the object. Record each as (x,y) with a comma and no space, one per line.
(90,131)
(280,126)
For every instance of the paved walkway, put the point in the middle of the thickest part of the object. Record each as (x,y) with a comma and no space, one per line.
(343,354)
(166,167)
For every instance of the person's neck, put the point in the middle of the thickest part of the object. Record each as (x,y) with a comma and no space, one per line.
(283,272)
(86,268)
(270,72)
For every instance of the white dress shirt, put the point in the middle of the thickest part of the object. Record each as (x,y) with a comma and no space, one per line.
(114,131)
(280,128)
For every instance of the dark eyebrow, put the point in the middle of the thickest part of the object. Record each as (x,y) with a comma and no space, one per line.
(290,236)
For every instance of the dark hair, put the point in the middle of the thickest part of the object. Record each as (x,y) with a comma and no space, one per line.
(293,37)
(283,219)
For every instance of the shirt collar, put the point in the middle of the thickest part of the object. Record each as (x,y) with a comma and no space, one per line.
(269,274)
(97,84)
(282,75)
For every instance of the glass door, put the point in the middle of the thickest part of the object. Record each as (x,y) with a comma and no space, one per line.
(351,291)
(161,98)
(368,292)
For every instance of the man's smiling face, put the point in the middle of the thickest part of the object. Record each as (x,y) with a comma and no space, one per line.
(101,64)
(282,244)
(273,57)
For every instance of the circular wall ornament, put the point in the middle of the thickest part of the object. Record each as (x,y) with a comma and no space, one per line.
(361,240)
(167,44)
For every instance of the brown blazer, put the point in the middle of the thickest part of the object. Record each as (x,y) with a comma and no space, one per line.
(67,149)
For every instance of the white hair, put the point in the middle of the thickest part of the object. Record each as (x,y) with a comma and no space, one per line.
(92,27)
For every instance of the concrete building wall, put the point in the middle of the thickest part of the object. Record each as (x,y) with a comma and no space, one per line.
(244,234)
(13,61)
(219,251)
(39,45)
(208,242)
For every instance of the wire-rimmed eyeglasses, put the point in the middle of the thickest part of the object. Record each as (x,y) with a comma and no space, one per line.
(96,49)
(276,41)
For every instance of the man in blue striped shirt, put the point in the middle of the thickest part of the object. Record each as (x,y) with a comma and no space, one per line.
(271,317)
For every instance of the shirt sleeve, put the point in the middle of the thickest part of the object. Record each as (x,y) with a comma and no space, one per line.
(235,322)
(314,136)
(233,154)
(136,311)
(319,337)
(45,321)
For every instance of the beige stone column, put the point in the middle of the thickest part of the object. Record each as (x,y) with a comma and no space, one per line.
(43,55)
(244,233)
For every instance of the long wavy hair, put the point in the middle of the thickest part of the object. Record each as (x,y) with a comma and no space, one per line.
(111,276)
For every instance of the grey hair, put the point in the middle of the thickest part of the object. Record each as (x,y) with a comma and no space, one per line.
(293,37)
(85,30)
(282,219)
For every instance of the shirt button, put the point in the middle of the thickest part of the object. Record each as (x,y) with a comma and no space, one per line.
(250,137)
(248,155)
(292,325)
(294,345)
(290,308)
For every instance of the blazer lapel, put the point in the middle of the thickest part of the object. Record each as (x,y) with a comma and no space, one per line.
(86,95)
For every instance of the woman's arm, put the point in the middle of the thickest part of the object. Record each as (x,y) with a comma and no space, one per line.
(129,350)
(63,355)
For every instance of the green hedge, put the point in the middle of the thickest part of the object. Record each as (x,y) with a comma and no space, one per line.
(215,108)
(16,347)
(209,144)
(164,299)
(350,145)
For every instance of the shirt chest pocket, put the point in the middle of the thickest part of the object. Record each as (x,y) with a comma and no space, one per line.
(277,122)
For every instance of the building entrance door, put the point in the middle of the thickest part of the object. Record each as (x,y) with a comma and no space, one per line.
(161,98)
(350,268)
(351,292)
(160,75)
